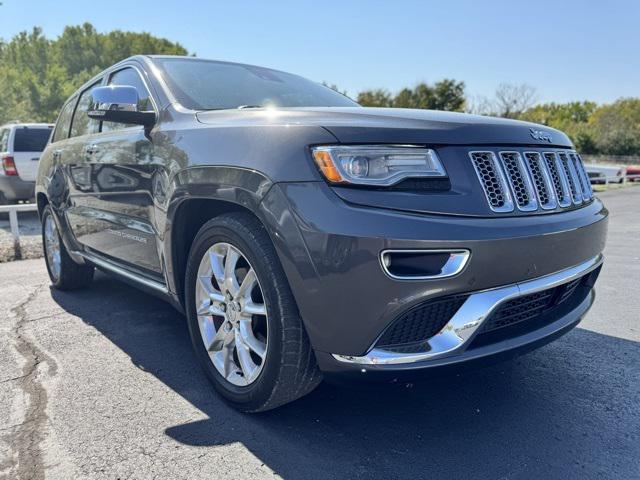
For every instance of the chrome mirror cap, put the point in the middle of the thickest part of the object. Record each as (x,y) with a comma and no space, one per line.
(119,98)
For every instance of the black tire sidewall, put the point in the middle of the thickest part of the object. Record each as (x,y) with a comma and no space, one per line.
(226,230)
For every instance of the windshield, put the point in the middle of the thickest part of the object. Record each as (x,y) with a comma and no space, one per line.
(210,85)
(29,139)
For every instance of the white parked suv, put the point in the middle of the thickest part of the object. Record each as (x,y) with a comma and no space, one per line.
(21,145)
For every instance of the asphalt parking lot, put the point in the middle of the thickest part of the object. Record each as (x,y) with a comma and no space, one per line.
(102,384)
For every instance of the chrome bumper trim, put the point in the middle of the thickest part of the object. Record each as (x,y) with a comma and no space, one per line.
(455,264)
(460,330)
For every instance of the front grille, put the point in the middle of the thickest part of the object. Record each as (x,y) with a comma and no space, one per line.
(583,178)
(559,182)
(422,322)
(519,181)
(541,180)
(532,180)
(493,181)
(572,178)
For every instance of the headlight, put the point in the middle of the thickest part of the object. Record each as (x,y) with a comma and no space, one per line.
(376,164)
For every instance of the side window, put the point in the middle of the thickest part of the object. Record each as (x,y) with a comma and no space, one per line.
(64,122)
(81,123)
(4,140)
(131,78)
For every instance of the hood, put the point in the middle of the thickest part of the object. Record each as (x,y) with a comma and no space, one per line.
(397,125)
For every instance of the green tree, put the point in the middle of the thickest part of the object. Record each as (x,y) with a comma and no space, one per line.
(38,74)
(572,118)
(443,95)
(616,127)
(375,98)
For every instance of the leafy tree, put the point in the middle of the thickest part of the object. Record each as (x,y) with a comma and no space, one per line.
(616,127)
(572,118)
(375,98)
(38,74)
(443,95)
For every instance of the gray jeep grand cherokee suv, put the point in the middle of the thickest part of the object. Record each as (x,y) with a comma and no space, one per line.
(305,236)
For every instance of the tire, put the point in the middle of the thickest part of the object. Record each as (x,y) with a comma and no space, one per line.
(64,273)
(288,370)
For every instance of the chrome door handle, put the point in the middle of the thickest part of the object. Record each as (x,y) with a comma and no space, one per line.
(91,149)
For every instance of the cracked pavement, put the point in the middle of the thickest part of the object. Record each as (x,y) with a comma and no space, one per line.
(102,383)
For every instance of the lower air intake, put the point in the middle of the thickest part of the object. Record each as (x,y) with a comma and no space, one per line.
(422,322)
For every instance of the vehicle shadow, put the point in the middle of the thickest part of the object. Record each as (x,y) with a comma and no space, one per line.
(567,410)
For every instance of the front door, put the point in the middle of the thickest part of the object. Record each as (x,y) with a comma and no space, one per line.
(117,171)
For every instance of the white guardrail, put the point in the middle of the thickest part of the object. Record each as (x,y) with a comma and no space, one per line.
(13,210)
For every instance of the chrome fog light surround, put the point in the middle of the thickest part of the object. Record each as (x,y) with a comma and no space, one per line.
(458,259)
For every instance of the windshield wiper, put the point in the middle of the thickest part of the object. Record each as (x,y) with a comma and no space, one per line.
(242,107)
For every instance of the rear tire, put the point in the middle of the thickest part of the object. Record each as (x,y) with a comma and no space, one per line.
(65,274)
(287,365)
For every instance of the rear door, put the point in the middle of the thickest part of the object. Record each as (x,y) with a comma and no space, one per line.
(26,145)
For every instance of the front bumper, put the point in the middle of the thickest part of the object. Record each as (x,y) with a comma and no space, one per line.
(330,251)
(14,188)
(452,342)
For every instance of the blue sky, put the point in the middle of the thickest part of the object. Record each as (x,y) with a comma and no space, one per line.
(568,50)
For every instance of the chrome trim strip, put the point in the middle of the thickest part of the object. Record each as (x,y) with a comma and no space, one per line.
(537,157)
(500,178)
(572,177)
(532,205)
(98,262)
(564,200)
(585,183)
(460,330)
(457,261)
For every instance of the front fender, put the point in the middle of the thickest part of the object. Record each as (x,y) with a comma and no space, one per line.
(241,187)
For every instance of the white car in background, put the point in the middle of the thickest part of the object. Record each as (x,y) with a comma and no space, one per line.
(603,174)
(21,145)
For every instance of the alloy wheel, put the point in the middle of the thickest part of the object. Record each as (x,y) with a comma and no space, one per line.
(232,314)
(52,246)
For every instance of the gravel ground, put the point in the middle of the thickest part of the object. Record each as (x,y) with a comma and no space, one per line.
(30,240)
(102,384)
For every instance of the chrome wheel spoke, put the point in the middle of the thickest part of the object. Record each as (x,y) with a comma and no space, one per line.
(249,339)
(248,367)
(230,262)
(207,331)
(228,364)
(251,308)
(248,283)
(217,266)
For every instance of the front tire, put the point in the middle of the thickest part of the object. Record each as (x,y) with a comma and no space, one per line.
(243,320)
(65,274)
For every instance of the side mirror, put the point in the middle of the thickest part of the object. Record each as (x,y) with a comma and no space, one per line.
(118,103)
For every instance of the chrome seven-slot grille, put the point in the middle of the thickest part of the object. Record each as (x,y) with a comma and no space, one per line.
(532,180)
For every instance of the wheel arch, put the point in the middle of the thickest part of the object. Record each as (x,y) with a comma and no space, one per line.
(41,201)
(204,193)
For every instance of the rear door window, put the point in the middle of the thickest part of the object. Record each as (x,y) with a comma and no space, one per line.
(64,122)
(4,140)
(81,123)
(30,139)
